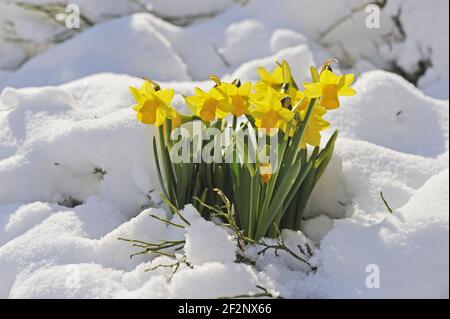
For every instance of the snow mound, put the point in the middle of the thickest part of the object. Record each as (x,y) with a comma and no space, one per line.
(409,248)
(285,38)
(65,236)
(214,280)
(173,8)
(316,228)
(240,39)
(387,109)
(23,218)
(72,281)
(424,42)
(218,248)
(49,141)
(140,53)
(299,58)
(41,264)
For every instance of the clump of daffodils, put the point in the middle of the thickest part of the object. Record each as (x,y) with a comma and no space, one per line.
(278,119)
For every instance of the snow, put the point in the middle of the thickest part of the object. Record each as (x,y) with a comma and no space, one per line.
(397,245)
(141,49)
(230,37)
(316,228)
(298,57)
(426,42)
(69,138)
(285,38)
(215,280)
(218,248)
(24,218)
(390,123)
(173,8)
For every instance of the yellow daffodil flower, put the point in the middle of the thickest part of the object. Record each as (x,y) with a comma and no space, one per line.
(329,88)
(210,105)
(315,125)
(153,107)
(239,97)
(269,113)
(265,172)
(275,80)
(299,101)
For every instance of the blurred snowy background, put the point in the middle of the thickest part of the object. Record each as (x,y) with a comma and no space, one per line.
(196,37)
(75,166)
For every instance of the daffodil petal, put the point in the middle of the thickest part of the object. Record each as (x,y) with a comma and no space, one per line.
(286,72)
(166,95)
(312,137)
(264,75)
(286,114)
(201,93)
(160,117)
(220,113)
(148,87)
(277,75)
(194,103)
(274,101)
(218,93)
(349,78)
(224,106)
(194,100)
(257,114)
(172,114)
(328,77)
(313,90)
(136,94)
(347,91)
(315,74)
(245,89)
(321,124)
(231,89)
(319,110)
(260,106)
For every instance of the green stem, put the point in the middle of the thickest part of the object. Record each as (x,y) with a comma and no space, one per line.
(234,132)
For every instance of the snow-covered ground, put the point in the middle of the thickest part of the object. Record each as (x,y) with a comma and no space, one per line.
(68,136)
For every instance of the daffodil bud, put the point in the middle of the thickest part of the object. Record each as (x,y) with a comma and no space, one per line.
(215,79)
(155,85)
(327,65)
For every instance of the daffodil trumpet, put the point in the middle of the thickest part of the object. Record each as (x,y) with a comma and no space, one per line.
(259,143)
